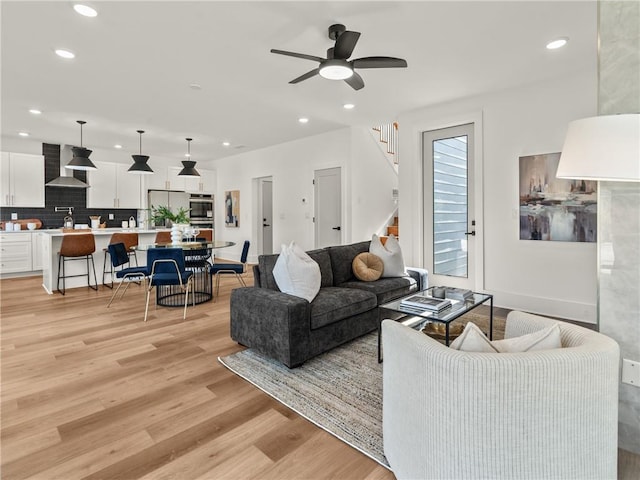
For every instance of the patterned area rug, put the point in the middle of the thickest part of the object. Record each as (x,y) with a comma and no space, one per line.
(340,391)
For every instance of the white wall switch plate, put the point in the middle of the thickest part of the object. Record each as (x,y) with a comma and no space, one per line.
(14,216)
(111,216)
(631,372)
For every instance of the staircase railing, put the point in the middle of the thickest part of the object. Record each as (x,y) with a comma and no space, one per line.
(389,136)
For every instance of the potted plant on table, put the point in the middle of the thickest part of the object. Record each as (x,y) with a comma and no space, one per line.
(162,214)
(177,221)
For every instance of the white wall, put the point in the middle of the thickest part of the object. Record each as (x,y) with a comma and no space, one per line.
(291,165)
(367,184)
(372,182)
(553,278)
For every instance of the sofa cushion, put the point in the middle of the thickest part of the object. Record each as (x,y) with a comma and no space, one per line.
(390,254)
(335,304)
(473,339)
(296,273)
(341,258)
(367,267)
(385,289)
(267,262)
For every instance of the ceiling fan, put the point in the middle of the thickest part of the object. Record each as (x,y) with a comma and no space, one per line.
(337,66)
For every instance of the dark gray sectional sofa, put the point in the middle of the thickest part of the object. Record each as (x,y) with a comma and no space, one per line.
(292,330)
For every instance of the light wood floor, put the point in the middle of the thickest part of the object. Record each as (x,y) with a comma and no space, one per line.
(94,393)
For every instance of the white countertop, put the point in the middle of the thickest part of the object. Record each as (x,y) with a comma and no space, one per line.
(97,231)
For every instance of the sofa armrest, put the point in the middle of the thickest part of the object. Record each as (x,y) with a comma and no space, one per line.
(271,322)
(420,275)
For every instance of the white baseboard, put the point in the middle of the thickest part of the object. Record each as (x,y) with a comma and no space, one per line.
(582,312)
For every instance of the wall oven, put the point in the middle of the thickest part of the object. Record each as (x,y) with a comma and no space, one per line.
(201,210)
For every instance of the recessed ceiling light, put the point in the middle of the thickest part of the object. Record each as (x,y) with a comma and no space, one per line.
(65,53)
(35,111)
(118,146)
(85,10)
(195,86)
(557,43)
(226,144)
(303,120)
(23,134)
(348,106)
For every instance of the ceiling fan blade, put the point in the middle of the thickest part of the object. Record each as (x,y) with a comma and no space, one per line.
(310,74)
(355,81)
(379,62)
(298,55)
(345,44)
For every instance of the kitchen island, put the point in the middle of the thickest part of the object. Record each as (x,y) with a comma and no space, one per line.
(52,239)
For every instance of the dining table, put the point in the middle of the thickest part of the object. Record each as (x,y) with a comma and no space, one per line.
(198,258)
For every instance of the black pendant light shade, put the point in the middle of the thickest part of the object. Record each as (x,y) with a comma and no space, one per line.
(188,166)
(80,160)
(140,161)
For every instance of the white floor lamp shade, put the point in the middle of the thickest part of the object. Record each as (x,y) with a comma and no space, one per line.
(605,147)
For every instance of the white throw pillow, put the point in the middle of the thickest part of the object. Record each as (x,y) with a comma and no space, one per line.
(296,273)
(472,339)
(545,339)
(390,254)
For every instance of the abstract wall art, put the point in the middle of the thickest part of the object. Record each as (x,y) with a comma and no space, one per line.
(554,209)
(232,208)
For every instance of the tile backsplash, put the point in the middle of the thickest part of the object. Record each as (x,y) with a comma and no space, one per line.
(65,197)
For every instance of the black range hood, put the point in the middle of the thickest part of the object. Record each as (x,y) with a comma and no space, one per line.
(66,178)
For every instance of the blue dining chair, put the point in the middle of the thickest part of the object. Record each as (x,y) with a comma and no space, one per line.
(236,269)
(168,268)
(120,257)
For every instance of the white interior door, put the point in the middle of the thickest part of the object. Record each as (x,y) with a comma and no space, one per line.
(266,216)
(449,215)
(328,207)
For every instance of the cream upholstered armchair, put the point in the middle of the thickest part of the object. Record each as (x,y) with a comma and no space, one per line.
(530,415)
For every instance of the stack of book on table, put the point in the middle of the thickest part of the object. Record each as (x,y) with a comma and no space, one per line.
(420,304)
(457,293)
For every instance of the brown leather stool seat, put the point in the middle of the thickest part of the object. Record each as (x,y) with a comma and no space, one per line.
(76,246)
(130,240)
(163,237)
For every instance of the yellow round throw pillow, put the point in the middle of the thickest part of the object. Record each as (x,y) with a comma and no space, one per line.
(367,267)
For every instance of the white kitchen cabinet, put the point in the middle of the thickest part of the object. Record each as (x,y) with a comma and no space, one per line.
(176,182)
(157,180)
(22,180)
(15,252)
(205,183)
(168,179)
(37,250)
(112,186)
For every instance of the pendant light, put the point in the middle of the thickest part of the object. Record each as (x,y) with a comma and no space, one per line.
(188,166)
(140,166)
(80,160)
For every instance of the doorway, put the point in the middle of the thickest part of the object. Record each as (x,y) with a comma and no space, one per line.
(265,217)
(328,207)
(449,210)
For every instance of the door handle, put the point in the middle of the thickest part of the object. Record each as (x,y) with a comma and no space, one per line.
(336,228)
(266,225)
(472,233)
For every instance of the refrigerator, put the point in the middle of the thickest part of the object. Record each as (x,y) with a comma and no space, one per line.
(168,198)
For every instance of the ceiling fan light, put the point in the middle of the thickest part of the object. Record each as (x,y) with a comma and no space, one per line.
(336,70)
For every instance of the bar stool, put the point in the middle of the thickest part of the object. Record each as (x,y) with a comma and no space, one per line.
(163,237)
(76,246)
(130,240)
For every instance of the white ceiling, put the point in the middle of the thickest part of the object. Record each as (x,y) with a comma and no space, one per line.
(135,61)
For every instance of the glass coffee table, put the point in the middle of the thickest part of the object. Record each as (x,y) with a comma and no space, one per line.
(418,320)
